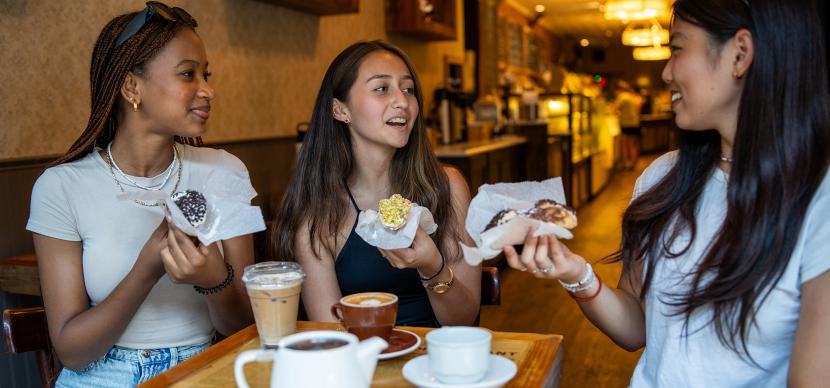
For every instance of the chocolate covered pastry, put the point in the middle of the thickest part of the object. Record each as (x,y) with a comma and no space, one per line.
(193,205)
(501,218)
(545,210)
(551,211)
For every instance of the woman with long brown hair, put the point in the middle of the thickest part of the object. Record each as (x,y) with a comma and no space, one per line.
(367,140)
(725,245)
(128,295)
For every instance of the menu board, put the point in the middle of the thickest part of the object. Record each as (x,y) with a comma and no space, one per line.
(533,53)
(515,42)
(501,40)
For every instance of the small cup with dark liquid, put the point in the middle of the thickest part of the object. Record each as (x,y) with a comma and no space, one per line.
(312,344)
(367,314)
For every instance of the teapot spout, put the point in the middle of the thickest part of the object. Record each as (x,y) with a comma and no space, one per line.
(367,355)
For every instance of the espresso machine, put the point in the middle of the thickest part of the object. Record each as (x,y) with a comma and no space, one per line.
(450,114)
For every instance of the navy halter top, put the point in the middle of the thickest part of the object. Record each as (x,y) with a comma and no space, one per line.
(361,268)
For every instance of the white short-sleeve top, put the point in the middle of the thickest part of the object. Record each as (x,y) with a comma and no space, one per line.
(77,201)
(699,359)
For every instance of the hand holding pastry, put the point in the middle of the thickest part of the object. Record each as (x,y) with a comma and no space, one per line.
(395,223)
(185,262)
(150,261)
(546,257)
(423,255)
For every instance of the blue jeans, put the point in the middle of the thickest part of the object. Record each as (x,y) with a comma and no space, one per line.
(125,367)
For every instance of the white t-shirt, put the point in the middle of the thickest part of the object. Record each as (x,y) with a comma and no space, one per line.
(77,201)
(700,360)
(628,107)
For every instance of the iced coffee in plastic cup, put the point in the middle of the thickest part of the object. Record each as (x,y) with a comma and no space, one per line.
(274,289)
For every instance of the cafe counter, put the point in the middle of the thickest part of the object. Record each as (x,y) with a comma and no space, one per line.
(499,159)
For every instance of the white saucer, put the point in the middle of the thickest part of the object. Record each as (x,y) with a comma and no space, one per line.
(501,370)
(410,349)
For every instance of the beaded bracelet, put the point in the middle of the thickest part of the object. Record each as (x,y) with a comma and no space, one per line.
(426,279)
(225,283)
(583,284)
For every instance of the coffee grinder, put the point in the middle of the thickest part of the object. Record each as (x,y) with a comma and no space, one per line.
(450,112)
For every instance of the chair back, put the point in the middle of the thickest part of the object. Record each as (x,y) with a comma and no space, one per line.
(26,331)
(490,286)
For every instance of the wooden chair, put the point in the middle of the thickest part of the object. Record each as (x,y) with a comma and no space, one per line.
(490,286)
(25,331)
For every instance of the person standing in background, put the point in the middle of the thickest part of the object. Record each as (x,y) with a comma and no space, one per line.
(627,105)
(646,107)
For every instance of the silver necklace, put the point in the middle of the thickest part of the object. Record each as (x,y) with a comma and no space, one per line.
(121,187)
(168,170)
(726,159)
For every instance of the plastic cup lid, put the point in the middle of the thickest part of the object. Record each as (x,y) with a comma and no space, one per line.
(273,273)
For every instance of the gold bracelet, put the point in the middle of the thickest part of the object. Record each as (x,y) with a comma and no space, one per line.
(440,287)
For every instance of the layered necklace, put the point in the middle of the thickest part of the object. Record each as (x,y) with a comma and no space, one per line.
(176,162)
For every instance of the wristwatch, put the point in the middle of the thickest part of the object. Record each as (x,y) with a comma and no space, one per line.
(440,287)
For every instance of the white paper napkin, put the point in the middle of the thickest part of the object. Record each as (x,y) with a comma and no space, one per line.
(370,229)
(492,199)
(229,213)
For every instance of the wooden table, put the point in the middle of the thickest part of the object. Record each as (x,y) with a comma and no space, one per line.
(538,357)
(18,275)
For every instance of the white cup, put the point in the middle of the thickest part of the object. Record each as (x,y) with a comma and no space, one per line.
(459,354)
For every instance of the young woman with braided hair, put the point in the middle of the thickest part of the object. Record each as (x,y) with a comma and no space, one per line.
(726,274)
(128,295)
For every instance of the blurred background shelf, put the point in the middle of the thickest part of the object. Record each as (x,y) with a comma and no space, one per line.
(319,7)
(426,20)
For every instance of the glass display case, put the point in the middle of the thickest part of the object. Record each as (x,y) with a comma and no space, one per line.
(570,113)
(570,137)
(564,113)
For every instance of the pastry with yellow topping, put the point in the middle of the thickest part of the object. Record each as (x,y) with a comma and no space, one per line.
(394,211)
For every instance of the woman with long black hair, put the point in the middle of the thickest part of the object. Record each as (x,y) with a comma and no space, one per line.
(725,244)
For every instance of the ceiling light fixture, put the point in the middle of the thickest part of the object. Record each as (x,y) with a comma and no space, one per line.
(634,9)
(652,53)
(643,34)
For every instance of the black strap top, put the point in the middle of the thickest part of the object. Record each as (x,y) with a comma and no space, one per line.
(361,268)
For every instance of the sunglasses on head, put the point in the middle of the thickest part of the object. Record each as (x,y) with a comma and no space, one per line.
(154,8)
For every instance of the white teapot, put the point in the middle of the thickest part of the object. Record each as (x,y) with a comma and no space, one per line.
(317,359)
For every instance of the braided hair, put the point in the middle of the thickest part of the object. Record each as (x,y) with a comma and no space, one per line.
(109,68)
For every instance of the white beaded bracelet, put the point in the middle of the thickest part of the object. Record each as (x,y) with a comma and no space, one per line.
(583,284)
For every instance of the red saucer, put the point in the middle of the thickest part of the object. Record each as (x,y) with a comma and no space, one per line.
(400,342)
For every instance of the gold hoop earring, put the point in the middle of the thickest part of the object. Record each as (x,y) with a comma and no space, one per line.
(135,105)
(347,121)
(736,75)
